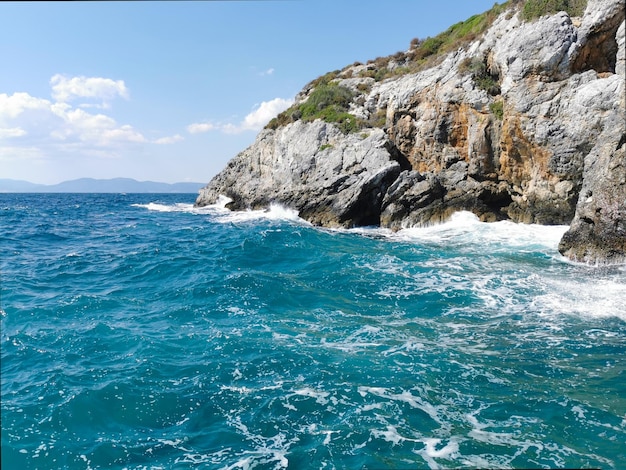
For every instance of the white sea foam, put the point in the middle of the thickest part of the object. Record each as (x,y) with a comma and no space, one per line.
(264,450)
(464,227)
(584,296)
(328,437)
(177,207)
(223,215)
(583,291)
(391,434)
(357,341)
(404,396)
(274,212)
(444,452)
(221,202)
(319,396)
(218,207)
(430,452)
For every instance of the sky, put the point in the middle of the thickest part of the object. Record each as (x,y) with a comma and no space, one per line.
(170,91)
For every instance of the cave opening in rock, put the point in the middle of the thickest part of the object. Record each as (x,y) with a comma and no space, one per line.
(599,52)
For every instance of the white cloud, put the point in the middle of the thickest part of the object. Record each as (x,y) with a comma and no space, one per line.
(169,140)
(125,133)
(264,113)
(71,130)
(66,89)
(93,129)
(269,71)
(199,128)
(254,121)
(86,122)
(11,106)
(11,132)
(49,123)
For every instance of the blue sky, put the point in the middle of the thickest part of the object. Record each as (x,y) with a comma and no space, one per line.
(170,91)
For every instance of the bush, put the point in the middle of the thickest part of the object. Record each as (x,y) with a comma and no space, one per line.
(329,102)
(489,84)
(324,98)
(281,120)
(480,74)
(324,79)
(536,8)
(364,87)
(497,108)
(348,123)
(424,52)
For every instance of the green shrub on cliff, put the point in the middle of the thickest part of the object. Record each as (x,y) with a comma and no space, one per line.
(536,8)
(324,98)
(477,66)
(497,108)
(324,79)
(425,52)
(329,102)
(458,34)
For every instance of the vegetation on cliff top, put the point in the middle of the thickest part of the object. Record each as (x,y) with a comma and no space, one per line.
(424,53)
(533,9)
(330,102)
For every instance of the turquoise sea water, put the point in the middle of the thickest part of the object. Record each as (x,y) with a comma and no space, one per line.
(140,332)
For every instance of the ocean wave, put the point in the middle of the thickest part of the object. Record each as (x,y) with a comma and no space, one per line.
(275,212)
(221,214)
(464,228)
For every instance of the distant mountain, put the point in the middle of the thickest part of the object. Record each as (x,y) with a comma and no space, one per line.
(91,185)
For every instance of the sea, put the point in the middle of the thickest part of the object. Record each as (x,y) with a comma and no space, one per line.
(141,332)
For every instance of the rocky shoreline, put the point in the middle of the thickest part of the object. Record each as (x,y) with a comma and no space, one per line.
(525,123)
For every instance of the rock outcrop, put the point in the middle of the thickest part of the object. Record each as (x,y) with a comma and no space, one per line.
(525,123)
(331,178)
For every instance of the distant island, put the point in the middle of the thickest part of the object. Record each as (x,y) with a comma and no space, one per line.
(91,185)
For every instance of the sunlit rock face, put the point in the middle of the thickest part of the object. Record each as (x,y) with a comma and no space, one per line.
(525,123)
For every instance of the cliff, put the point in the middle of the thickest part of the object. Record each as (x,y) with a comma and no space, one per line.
(524,120)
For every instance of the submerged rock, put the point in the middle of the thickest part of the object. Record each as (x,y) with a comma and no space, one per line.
(525,123)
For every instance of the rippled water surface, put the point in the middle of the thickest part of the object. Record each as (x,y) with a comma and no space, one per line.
(140,332)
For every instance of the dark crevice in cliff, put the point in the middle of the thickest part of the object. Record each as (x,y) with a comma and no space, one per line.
(599,52)
(366,209)
(497,202)
(397,155)
(493,138)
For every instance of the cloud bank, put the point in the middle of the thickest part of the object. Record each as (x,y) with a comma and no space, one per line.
(66,89)
(30,122)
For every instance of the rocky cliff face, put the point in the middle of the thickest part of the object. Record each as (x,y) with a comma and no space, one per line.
(525,123)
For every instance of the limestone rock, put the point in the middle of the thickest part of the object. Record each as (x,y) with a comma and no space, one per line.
(413,199)
(597,234)
(525,123)
(330,178)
